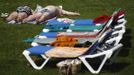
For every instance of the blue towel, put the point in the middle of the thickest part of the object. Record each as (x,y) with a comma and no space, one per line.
(39,49)
(84,22)
(76,22)
(49,34)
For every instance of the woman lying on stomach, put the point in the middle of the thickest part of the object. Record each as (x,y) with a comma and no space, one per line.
(43,14)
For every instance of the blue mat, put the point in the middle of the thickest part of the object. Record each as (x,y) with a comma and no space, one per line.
(49,34)
(39,49)
(76,22)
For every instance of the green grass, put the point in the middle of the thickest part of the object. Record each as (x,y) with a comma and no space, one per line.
(12,62)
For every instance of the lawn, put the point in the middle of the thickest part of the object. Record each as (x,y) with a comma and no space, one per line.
(12,62)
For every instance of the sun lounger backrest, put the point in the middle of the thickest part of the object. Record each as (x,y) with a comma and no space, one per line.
(113,21)
(105,33)
(119,28)
(116,35)
(119,18)
(99,40)
(108,24)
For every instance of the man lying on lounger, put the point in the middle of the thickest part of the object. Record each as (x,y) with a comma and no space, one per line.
(17,16)
(43,14)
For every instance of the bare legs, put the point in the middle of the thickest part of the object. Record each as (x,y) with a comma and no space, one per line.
(33,17)
(18,17)
(68,13)
(12,16)
(21,16)
(37,17)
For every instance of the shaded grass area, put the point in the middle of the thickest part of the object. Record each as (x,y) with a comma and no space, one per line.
(12,62)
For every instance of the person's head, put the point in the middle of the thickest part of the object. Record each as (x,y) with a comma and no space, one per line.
(25,9)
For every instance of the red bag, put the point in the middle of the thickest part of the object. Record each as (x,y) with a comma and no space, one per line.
(101,19)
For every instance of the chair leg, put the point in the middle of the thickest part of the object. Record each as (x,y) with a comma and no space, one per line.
(107,54)
(90,68)
(27,55)
(116,52)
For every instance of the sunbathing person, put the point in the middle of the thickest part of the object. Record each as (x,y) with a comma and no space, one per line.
(21,13)
(48,12)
